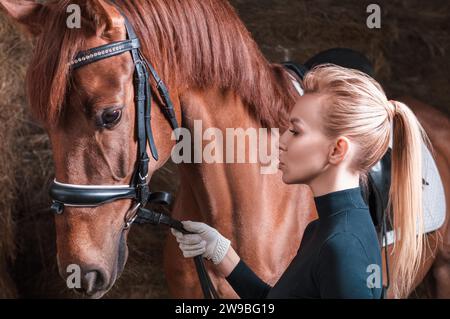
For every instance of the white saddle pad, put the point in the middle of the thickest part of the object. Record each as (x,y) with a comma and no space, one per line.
(434,208)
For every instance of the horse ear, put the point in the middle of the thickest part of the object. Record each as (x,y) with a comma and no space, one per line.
(28,13)
(114,20)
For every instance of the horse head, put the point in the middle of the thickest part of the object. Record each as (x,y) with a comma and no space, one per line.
(89,111)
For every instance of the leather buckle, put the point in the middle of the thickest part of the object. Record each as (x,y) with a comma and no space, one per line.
(57,208)
(143,192)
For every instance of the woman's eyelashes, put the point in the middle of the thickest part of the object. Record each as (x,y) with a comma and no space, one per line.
(294,132)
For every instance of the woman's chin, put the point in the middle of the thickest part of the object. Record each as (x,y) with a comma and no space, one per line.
(290,180)
(285,178)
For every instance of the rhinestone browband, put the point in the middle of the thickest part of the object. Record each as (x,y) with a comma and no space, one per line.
(102,52)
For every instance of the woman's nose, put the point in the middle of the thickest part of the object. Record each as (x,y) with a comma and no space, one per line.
(281,144)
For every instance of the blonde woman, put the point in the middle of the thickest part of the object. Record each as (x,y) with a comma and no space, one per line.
(338,130)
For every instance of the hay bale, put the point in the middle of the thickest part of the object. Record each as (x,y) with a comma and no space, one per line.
(11,99)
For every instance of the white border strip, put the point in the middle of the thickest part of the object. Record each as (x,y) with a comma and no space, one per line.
(296,84)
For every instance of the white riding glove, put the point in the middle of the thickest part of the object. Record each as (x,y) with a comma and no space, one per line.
(206,241)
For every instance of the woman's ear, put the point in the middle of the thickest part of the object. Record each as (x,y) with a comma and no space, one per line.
(339,150)
(27,13)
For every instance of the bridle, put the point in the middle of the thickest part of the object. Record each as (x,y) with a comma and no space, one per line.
(72,195)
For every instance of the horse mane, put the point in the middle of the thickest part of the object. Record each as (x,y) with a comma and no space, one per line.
(191,44)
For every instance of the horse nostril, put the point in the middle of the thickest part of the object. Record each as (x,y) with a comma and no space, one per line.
(93,282)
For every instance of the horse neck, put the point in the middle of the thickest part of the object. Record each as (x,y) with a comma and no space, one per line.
(230,196)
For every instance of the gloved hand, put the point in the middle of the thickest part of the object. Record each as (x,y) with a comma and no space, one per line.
(206,241)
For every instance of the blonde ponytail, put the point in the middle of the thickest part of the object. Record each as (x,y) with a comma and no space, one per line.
(406,198)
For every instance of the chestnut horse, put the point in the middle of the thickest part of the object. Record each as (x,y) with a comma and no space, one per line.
(215,73)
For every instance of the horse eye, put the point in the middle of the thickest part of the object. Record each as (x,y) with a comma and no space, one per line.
(110,118)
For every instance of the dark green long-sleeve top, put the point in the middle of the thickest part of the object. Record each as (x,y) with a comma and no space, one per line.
(339,256)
